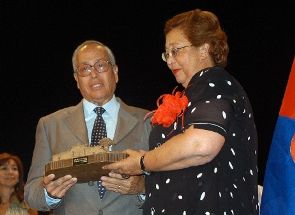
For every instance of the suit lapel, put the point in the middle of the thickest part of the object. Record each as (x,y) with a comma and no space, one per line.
(126,122)
(76,123)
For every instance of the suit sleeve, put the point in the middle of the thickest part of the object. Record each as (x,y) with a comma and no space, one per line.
(34,191)
(146,135)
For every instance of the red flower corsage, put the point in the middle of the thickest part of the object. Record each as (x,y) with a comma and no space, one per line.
(170,108)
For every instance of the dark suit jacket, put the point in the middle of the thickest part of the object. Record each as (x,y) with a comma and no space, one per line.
(59,132)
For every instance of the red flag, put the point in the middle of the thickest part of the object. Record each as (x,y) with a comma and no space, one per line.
(288,104)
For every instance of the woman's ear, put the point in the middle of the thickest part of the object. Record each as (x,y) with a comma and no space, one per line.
(204,50)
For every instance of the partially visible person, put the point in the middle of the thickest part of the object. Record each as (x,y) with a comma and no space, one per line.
(12,187)
(203,146)
(96,74)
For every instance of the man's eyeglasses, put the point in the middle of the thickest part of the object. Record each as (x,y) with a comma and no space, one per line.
(100,66)
(173,52)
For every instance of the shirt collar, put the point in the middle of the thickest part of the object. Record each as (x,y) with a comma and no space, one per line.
(111,107)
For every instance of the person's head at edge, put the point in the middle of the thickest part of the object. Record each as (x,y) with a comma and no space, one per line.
(95,71)
(14,167)
(194,41)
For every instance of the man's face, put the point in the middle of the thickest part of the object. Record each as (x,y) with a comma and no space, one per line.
(96,87)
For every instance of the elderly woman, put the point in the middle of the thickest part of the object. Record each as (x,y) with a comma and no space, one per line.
(12,187)
(203,145)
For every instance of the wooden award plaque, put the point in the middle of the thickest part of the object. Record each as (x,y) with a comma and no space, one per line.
(84,162)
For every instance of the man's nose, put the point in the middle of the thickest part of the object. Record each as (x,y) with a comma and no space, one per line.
(93,73)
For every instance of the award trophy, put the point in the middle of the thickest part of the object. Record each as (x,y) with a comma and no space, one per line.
(84,162)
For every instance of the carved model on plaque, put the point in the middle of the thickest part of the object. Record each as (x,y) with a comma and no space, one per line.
(84,162)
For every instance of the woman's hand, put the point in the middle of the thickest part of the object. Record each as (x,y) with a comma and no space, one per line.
(128,166)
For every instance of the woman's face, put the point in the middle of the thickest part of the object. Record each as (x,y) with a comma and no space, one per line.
(183,59)
(9,174)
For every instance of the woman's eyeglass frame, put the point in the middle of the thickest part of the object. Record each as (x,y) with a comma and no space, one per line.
(173,52)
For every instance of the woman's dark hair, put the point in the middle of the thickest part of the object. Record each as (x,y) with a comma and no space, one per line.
(19,187)
(202,27)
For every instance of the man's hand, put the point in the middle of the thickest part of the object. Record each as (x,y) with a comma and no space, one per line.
(58,188)
(124,185)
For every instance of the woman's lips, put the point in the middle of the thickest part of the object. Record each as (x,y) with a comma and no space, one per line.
(9,178)
(175,71)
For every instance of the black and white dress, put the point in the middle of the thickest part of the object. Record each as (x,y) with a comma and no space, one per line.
(227,184)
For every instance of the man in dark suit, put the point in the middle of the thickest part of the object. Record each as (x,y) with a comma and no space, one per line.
(96,74)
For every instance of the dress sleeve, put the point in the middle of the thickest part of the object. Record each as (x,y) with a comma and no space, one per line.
(213,115)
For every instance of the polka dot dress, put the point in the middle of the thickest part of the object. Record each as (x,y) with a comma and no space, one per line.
(227,184)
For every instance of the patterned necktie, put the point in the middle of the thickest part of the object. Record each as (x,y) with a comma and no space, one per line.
(99,131)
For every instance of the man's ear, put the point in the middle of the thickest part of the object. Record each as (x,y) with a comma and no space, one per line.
(76,78)
(116,71)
